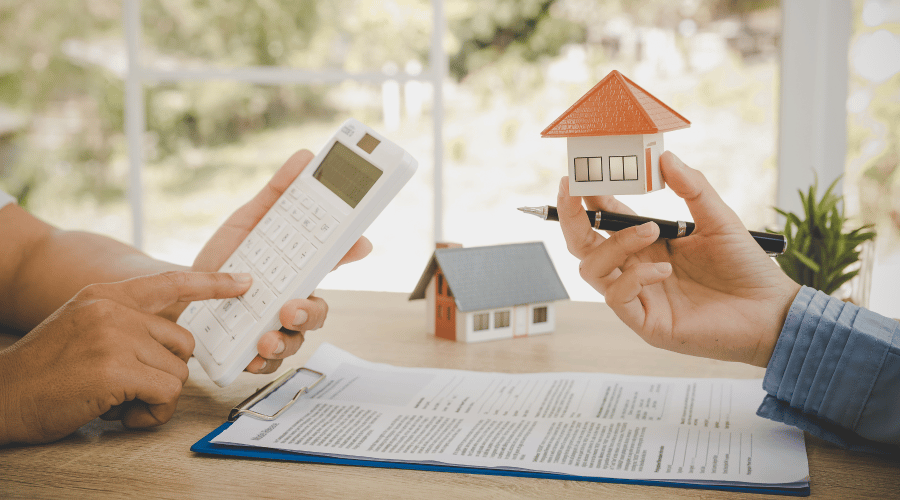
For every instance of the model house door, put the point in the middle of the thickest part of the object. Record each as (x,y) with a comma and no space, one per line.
(648,166)
(520,325)
(444,309)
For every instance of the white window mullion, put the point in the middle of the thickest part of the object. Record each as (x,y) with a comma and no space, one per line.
(135,121)
(812,128)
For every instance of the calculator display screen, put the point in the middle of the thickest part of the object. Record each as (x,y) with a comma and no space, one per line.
(346,174)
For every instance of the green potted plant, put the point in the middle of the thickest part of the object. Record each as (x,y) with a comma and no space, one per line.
(819,248)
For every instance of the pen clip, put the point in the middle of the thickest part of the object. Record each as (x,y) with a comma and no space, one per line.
(266,390)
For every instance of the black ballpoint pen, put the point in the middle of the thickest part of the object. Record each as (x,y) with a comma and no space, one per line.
(771,243)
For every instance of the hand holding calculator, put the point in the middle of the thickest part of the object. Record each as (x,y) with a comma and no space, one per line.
(297,242)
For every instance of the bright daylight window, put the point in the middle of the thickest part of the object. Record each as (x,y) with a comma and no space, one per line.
(514,67)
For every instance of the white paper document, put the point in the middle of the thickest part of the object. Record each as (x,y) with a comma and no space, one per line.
(698,431)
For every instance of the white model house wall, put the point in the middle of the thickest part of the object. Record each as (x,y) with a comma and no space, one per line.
(465,323)
(600,180)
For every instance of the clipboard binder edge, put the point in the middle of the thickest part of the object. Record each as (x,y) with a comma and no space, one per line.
(205,446)
(263,392)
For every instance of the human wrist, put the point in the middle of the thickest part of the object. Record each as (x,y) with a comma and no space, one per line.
(782,302)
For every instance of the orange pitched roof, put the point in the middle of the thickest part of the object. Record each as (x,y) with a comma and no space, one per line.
(616,106)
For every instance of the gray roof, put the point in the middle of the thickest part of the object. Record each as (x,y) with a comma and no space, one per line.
(495,276)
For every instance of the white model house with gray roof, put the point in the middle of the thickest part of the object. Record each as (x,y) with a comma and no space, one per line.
(488,293)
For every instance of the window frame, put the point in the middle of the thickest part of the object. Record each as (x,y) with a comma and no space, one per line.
(542,312)
(505,315)
(624,179)
(481,322)
(590,178)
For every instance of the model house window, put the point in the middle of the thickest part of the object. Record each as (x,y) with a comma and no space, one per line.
(481,321)
(540,315)
(449,313)
(623,168)
(439,311)
(588,169)
(440,283)
(501,319)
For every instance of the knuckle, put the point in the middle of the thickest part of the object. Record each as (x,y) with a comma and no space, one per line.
(109,372)
(99,309)
(93,292)
(172,388)
(173,279)
(183,372)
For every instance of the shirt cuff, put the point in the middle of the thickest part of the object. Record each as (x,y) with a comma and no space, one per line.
(825,365)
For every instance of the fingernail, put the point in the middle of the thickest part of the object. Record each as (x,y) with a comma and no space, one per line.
(645,229)
(301,317)
(262,367)
(280,348)
(663,267)
(242,278)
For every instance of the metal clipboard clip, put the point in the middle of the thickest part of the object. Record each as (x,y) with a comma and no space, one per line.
(266,390)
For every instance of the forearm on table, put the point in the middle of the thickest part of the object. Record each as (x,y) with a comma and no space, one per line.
(49,266)
(834,373)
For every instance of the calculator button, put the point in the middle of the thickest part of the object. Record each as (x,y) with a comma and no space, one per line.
(235,314)
(306,201)
(207,330)
(325,229)
(285,228)
(267,259)
(275,269)
(225,307)
(257,304)
(294,246)
(304,255)
(295,192)
(266,221)
(296,214)
(255,291)
(258,251)
(243,267)
(265,301)
(231,265)
(309,224)
(249,242)
(285,204)
(320,212)
(221,353)
(285,237)
(276,227)
(284,279)
(190,311)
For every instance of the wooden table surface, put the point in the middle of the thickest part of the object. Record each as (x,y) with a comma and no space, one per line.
(104,460)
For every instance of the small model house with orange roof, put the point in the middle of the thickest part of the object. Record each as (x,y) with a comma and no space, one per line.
(615,136)
(489,293)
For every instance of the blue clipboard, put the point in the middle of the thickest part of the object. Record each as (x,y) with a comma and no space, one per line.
(286,397)
(206,447)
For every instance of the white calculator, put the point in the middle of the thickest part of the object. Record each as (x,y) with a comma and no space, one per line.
(299,240)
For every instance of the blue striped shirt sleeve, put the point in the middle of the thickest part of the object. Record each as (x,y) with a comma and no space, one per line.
(835,373)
